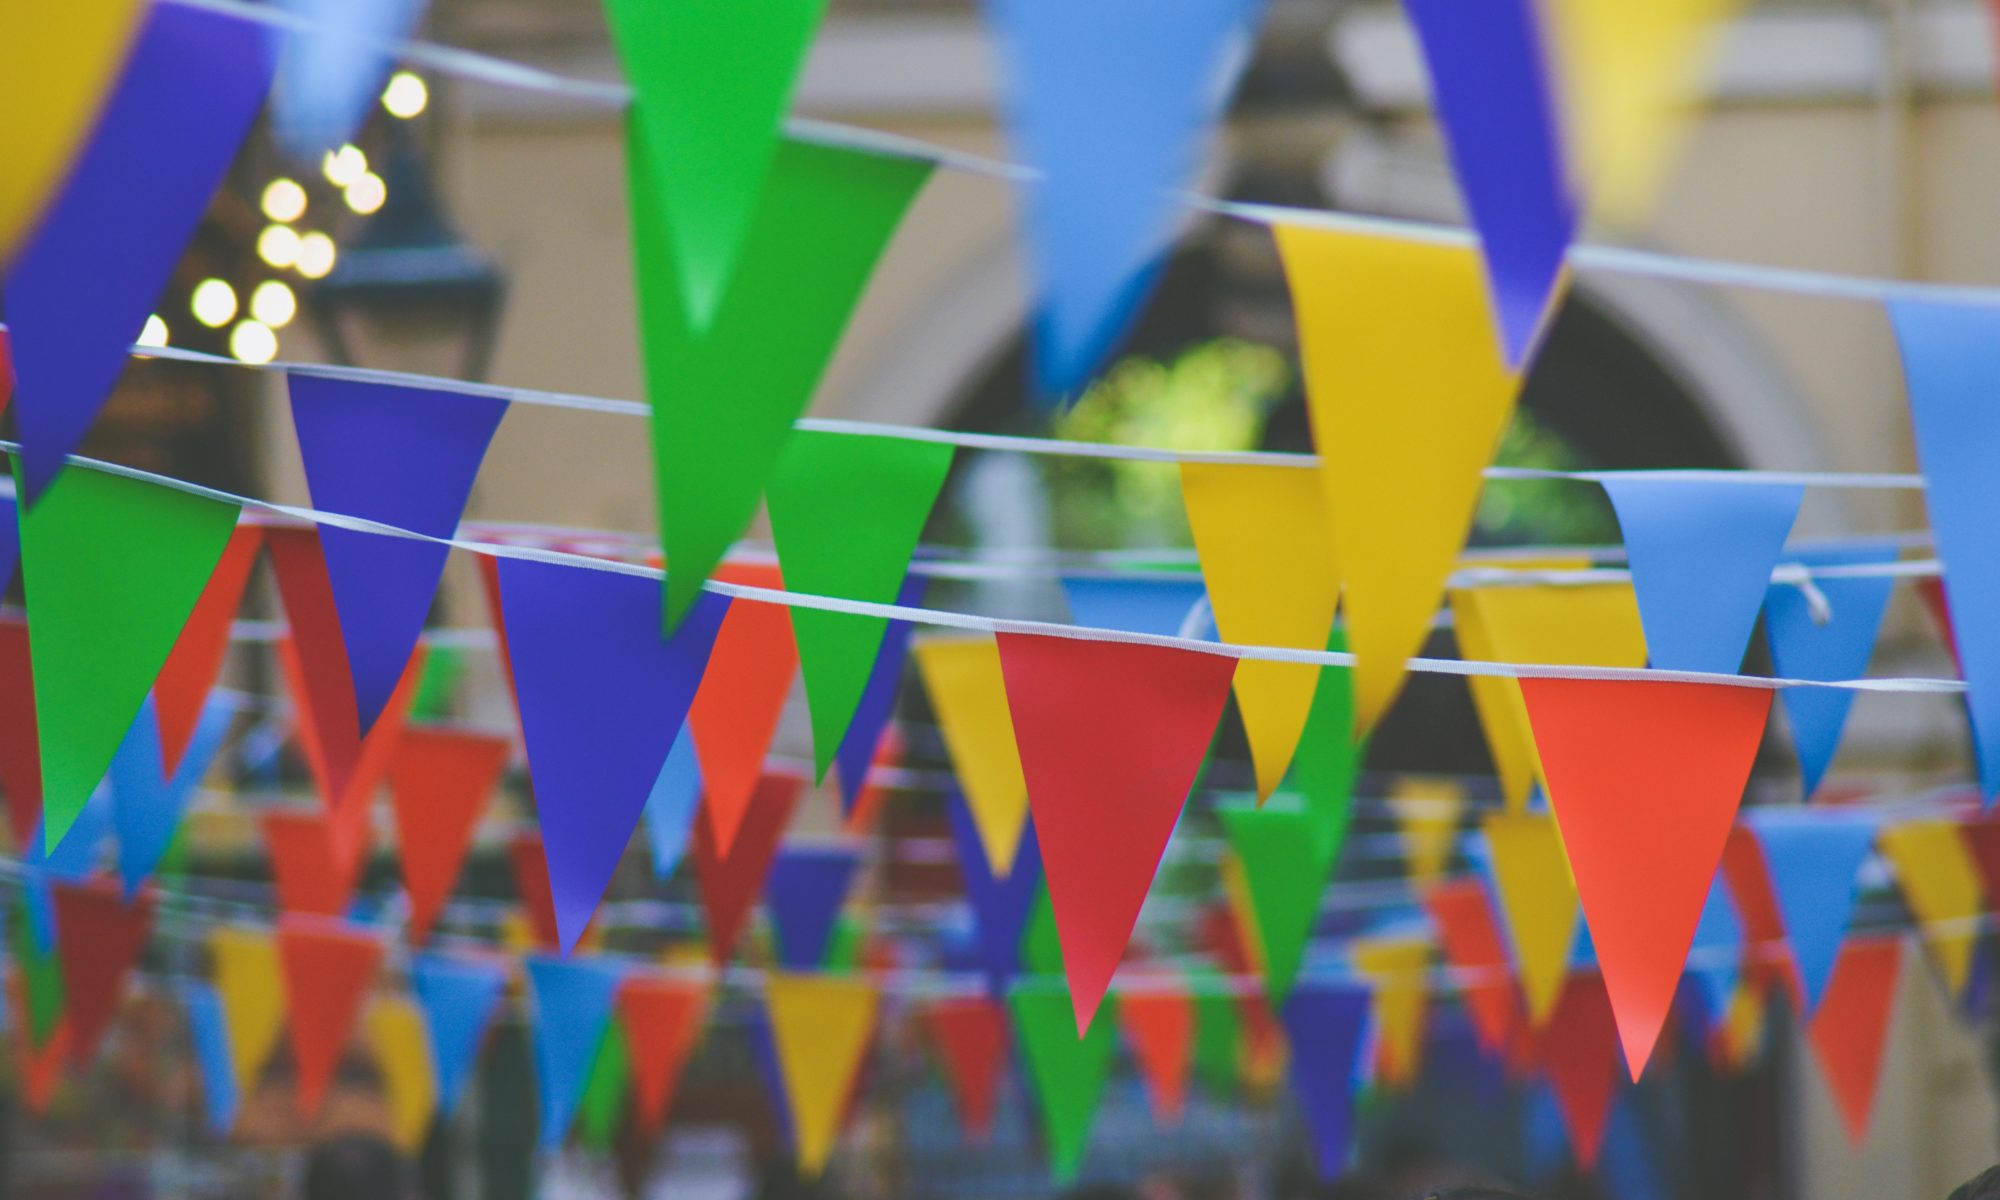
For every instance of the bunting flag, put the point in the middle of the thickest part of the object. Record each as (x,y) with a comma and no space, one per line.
(663,1019)
(1111,736)
(1658,766)
(736,711)
(968,692)
(1066,1066)
(332,68)
(1716,960)
(529,864)
(1931,592)
(1812,856)
(1491,86)
(1982,841)
(20,749)
(1579,1052)
(1327,1025)
(1112,107)
(146,800)
(1537,895)
(1470,938)
(1157,1018)
(208,1030)
(727,379)
(40,972)
(804,893)
(1267,558)
(671,805)
(1166,607)
(181,690)
(1398,968)
(395,1028)
(459,997)
(250,986)
(100,936)
(115,566)
(399,456)
(730,883)
(441,781)
(327,971)
(1285,877)
(1218,1038)
(1408,393)
(316,861)
(1000,904)
(573,1004)
(1833,644)
(1701,556)
(866,732)
(6,373)
(1427,816)
(1329,755)
(1851,1028)
(604,1090)
(81,284)
(839,537)
(1941,884)
(576,635)
(971,1037)
(820,1029)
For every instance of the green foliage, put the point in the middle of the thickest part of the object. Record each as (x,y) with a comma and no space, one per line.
(1542,511)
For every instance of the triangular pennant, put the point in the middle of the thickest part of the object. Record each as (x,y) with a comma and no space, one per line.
(577,635)
(820,1029)
(7,368)
(1157,1018)
(1578,1051)
(1066,1067)
(1469,934)
(573,1003)
(459,997)
(1749,882)
(332,68)
(1813,856)
(181,691)
(327,971)
(208,1031)
(1218,1038)
(1267,558)
(40,974)
(1000,904)
(81,285)
(968,692)
(730,883)
(1408,394)
(1329,755)
(1111,735)
(399,456)
(41,1069)
(1166,607)
(672,804)
(249,983)
(441,781)
(528,863)
(1398,968)
(604,1090)
(147,802)
(115,566)
(1701,556)
(1327,1026)
(1638,765)
(1537,895)
(971,1037)
(1851,1028)
(1112,107)
(663,1019)
(100,935)
(395,1029)
(725,388)
(1428,812)
(1716,959)
(867,733)
(804,893)
(20,743)
(314,864)
(1982,839)
(1833,642)
(1941,884)
(846,512)
(736,711)
(1285,878)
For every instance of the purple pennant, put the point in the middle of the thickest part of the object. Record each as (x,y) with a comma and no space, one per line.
(600,696)
(10,541)
(1000,905)
(764,1049)
(79,291)
(878,700)
(804,892)
(1325,1024)
(1490,81)
(400,456)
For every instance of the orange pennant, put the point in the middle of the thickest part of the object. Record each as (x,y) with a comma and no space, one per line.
(100,935)
(1158,1020)
(440,781)
(1851,1026)
(1474,946)
(327,970)
(182,686)
(1579,1052)
(42,1066)
(730,882)
(663,1019)
(736,710)
(971,1036)
(316,860)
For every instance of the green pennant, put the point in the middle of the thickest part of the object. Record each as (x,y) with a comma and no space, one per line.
(1067,1072)
(1286,876)
(41,981)
(713,80)
(1041,944)
(724,394)
(1218,1035)
(1328,756)
(604,1092)
(846,512)
(112,567)
(843,949)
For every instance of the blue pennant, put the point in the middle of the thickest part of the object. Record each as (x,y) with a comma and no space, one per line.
(332,68)
(459,997)
(1327,1026)
(208,1027)
(1717,952)
(1166,607)
(1813,855)
(804,892)
(1000,905)
(573,1005)
(1834,644)
(146,805)
(670,807)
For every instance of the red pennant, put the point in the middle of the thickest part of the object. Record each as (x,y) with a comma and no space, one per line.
(1578,1050)
(1158,1021)
(1111,736)
(1982,838)
(20,745)
(182,686)
(731,883)
(1851,1026)
(531,883)
(100,937)
(1931,591)
(735,713)
(663,1020)
(489,585)
(1473,944)
(1645,779)
(1749,880)
(440,781)
(327,971)
(41,1066)
(971,1036)
(316,860)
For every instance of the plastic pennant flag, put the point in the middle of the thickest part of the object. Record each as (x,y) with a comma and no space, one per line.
(971,1037)
(1327,1025)
(820,1029)
(1470,938)
(147,802)
(441,781)
(1218,1038)
(1267,557)
(81,285)
(604,1090)
(1113,108)
(865,736)
(1537,895)
(10,527)
(573,1004)
(328,970)
(736,711)
(1716,959)
(804,893)
(459,997)
(6,365)
(1982,839)
(846,512)
(1156,1015)
(1166,607)
(249,983)
(1066,1066)
(399,456)
(115,565)
(1408,393)
(968,691)
(726,381)
(1428,812)
(575,636)
(395,1028)
(1941,884)
(39,976)
(1851,1028)
(208,1030)
(100,935)
(1813,856)
(1000,904)
(528,863)
(663,1019)
(314,863)
(1111,736)
(1578,1051)
(1701,557)
(1399,970)
(1329,755)
(1494,95)
(1285,877)
(181,692)
(332,68)
(1658,766)
(731,883)
(1833,643)
(672,804)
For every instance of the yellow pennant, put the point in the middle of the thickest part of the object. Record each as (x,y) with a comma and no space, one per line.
(820,1025)
(969,694)
(1427,815)
(1537,897)
(1408,393)
(247,978)
(58,64)
(1398,967)
(403,1056)
(1268,562)
(1941,883)
(1743,1024)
